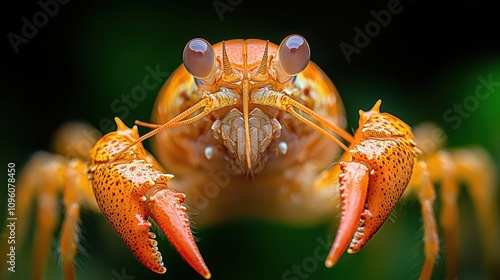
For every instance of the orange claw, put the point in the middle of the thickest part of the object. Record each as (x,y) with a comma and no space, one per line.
(374,175)
(166,209)
(353,188)
(129,190)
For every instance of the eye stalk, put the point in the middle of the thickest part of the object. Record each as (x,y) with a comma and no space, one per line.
(199,60)
(293,57)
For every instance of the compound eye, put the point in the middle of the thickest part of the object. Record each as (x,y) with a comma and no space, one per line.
(293,55)
(199,58)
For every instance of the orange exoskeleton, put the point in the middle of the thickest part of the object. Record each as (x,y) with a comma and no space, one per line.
(271,124)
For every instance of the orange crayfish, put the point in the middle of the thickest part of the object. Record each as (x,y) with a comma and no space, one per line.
(270,124)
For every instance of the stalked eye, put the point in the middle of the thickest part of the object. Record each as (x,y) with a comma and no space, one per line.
(199,58)
(293,55)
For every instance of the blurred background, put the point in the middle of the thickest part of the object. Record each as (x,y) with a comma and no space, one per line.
(75,61)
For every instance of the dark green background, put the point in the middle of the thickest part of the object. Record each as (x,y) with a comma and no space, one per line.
(426,60)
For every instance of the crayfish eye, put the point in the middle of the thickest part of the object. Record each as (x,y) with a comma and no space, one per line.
(293,56)
(199,58)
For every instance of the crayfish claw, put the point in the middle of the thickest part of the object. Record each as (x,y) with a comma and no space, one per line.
(120,200)
(131,190)
(374,175)
(353,188)
(166,209)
